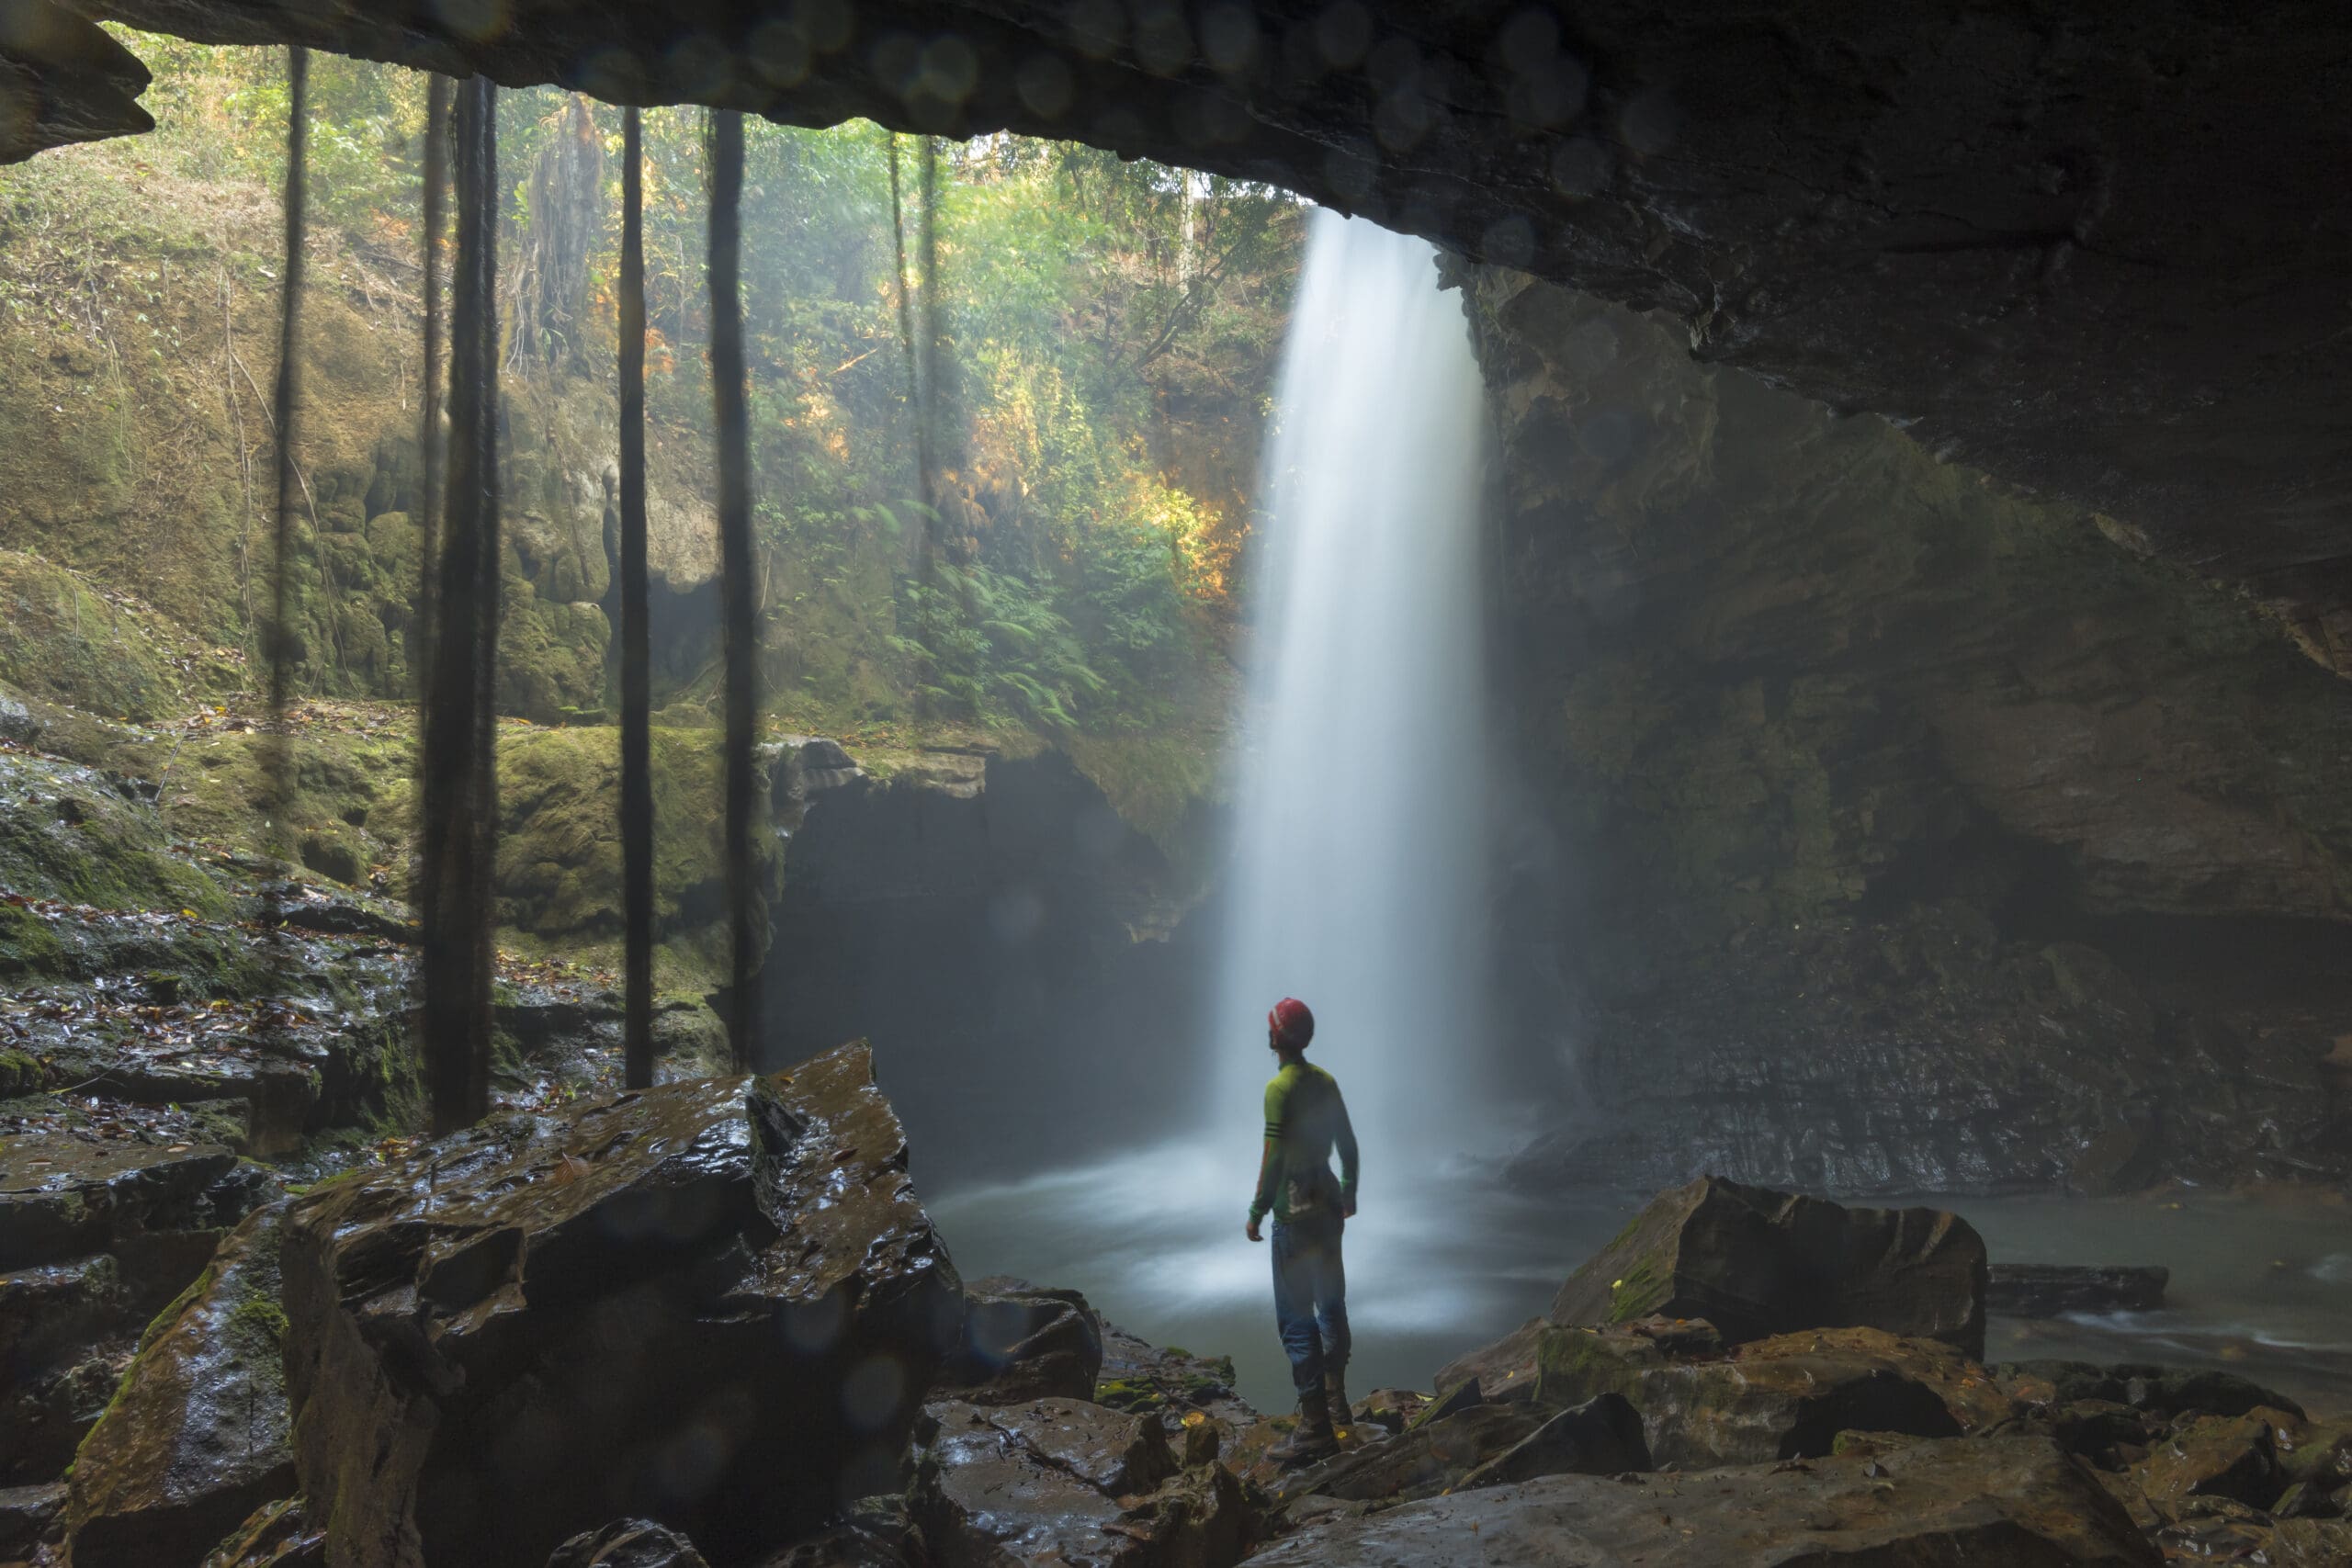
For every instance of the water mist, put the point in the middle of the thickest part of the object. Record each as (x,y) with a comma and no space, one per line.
(1358,881)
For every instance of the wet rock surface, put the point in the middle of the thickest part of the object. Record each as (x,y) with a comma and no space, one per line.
(713,1301)
(199,1435)
(1431,1456)
(1172,1383)
(1062,1480)
(2011,1500)
(1601,1437)
(275,1535)
(627,1543)
(2050,1289)
(1754,1262)
(1022,1342)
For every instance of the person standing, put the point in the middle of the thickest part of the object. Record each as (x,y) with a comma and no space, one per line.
(1305,1119)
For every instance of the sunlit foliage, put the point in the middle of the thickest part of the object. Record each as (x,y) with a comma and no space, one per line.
(1105,330)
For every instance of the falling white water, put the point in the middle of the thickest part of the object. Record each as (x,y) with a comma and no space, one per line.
(1360,840)
(1357,882)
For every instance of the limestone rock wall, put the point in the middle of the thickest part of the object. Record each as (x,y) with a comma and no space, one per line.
(1867,805)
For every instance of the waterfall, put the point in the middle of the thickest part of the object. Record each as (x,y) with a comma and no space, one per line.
(1361,844)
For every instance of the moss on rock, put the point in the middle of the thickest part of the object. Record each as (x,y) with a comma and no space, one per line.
(59,639)
(75,834)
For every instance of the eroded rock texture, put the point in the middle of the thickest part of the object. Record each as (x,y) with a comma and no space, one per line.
(713,1304)
(1885,832)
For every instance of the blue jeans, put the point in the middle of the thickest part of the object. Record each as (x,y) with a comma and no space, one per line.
(1311,1298)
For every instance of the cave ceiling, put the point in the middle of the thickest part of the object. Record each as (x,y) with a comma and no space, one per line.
(2097,251)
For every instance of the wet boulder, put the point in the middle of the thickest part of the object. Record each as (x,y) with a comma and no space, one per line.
(1176,1384)
(1504,1370)
(877,1532)
(65,1197)
(27,1515)
(197,1436)
(1022,1342)
(627,1543)
(1390,1409)
(1754,1263)
(713,1304)
(1787,1397)
(1061,1480)
(98,1236)
(1600,1436)
(2159,1391)
(2213,1455)
(2015,1501)
(1420,1461)
(2227,1532)
(2052,1290)
(277,1535)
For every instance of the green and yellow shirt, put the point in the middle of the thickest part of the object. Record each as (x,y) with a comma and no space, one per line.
(1306,1119)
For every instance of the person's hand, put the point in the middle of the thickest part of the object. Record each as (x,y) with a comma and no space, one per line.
(1250,1230)
(1348,1209)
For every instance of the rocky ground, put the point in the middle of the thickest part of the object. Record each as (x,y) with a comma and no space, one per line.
(711,1323)
(191,1030)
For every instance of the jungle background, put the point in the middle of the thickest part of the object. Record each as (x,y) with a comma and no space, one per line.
(1093,340)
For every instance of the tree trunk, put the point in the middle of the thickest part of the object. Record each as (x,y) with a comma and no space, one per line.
(459,797)
(428,499)
(636,774)
(736,607)
(284,398)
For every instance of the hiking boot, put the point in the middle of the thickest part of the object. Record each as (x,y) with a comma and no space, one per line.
(1312,1439)
(1335,1396)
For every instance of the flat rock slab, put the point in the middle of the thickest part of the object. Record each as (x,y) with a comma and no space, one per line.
(712,1303)
(1754,1263)
(199,1435)
(65,1197)
(2052,1290)
(2017,1502)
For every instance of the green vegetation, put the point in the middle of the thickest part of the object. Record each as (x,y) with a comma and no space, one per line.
(1090,343)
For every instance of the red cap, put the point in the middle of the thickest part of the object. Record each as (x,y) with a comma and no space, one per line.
(1293,1022)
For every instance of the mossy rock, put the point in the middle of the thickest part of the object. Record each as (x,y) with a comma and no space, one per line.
(75,834)
(559,851)
(199,1432)
(550,655)
(62,641)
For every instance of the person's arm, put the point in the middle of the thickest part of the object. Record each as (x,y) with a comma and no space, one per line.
(1269,1162)
(1345,1136)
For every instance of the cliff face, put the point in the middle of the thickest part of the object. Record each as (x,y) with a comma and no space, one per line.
(1885,828)
(138,334)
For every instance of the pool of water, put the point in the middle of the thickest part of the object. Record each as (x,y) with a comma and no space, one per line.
(1440,1263)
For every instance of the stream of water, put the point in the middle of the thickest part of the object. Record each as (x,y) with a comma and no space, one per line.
(2260,1287)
